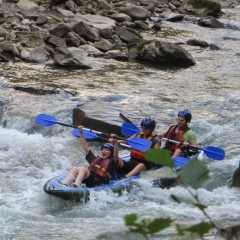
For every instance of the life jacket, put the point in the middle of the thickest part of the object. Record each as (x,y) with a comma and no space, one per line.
(100,167)
(176,136)
(139,155)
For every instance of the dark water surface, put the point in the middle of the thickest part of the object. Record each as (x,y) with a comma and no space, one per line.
(30,154)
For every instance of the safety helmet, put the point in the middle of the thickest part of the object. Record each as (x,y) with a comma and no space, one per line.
(148,123)
(186,114)
(108,146)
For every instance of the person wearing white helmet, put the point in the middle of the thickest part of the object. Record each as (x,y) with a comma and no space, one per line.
(182,133)
(137,162)
(101,168)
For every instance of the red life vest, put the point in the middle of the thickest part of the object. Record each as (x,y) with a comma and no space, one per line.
(139,154)
(100,167)
(176,136)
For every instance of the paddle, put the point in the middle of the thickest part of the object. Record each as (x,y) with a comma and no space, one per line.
(90,135)
(129,129)
(211,152)
(136,143)
(179,161)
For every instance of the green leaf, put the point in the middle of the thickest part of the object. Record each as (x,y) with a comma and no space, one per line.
(130,219)
(200,206)
(176,199)
(164,172)
(200,228)
(194,174)
(160,156)
(147,225)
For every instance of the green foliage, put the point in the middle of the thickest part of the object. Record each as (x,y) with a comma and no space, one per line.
(146,225)
(164,172)
(194,174)
(200,228)
(160,156)
(211,5)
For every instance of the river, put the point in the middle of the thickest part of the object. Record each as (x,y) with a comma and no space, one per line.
(30,154)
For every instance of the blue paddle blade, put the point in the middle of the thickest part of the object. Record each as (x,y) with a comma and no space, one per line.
(180,161)
(139,143)
(86,134)
(129,129)
(46,120)
(214,153)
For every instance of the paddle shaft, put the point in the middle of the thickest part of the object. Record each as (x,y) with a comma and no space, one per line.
(96,136)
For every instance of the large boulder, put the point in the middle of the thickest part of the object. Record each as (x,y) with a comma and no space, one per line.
(202,7)
(161,52)
(236,178)
(135,12)
(72,57)
(107,121)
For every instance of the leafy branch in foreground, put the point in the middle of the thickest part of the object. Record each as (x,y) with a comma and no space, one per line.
(193,175)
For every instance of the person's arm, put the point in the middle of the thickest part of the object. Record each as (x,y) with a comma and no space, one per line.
(157,144)
(162,134)
(117,160)
(83,140)
(115,144)
(190,139)
(124,141)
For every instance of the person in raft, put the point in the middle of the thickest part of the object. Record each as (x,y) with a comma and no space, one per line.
(138,162)
(100,170)
(182,133)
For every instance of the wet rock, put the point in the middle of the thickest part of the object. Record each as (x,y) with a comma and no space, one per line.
(28,15)
(3,32)
(196,42)
(141,25)
(110,26)
(161,52)
(35,90)
(60,30)
(27,5)
(236,177)
(121,17)
(202,7)
(126,35)
(106,33)
(103,45)
(72,57)
(135,12)
(83,115)
(74,40)
(56,42)
(210,22)
(91,50)
(85,31)
(30,39)
(175,18)
(213,46)
(38,55)
(95,21)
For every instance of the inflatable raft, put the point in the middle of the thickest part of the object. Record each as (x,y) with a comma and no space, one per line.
(55,188)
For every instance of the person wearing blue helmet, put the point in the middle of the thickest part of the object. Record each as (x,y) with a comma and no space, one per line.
(137,162)
(182,133)
(101,168)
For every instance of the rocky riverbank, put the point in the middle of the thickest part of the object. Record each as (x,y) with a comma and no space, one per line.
(73,33)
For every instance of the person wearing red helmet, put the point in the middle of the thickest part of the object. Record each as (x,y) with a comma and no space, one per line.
(180,133)
(138,162)
(100,170)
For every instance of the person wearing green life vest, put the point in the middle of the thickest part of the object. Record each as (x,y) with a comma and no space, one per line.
(182,133)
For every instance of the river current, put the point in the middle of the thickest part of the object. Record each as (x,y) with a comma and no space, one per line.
(30,155)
